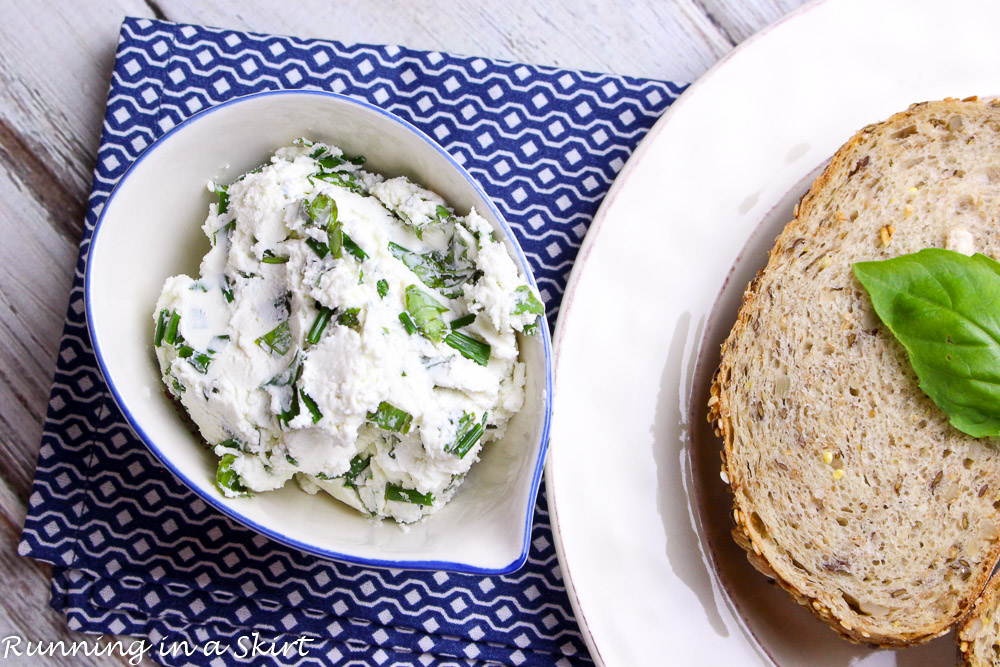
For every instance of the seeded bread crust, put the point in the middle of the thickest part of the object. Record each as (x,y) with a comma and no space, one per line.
(851,490)
(979,635)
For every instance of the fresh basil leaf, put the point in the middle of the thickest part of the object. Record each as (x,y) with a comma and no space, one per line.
(526,302)
(444,272)
(944,307)
(426,313)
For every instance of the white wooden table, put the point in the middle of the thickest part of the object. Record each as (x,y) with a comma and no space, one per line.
(55,66)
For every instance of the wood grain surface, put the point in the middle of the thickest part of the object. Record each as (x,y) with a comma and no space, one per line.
(55,67)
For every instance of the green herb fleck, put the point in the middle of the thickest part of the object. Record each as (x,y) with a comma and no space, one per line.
(349,318)
(228,481)
(161,326)
(353,248)
(463,321)
(526,302)
(407,322)
(318,247)
(270,258)
(383,288)
(322,318)
(391,418)
(311,406)
(469,347)
(277,340)
(399,494)
(223,192)
(358,465)
(227,290)
(170,335)
(468,433)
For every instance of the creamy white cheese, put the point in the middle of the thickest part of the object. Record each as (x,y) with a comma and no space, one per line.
(318,342)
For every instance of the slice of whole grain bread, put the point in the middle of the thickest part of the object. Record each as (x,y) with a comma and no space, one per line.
(851,488)
(979,635)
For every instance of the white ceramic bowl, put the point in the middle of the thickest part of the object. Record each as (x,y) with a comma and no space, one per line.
(150,229)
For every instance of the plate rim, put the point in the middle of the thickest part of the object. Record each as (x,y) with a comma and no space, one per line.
(586,246)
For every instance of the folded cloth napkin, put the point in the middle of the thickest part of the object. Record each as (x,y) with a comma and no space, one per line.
(136,553)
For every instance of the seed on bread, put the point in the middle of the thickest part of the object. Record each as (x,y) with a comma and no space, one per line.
(873,477)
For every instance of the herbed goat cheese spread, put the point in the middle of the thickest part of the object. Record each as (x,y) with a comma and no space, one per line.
(346,330)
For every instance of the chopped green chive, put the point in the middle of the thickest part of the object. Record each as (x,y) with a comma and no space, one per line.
(391,418)
(322,318)
(223,192)
(426,313)
(232,443)
(383,288)
(469,433)
(526,302)
(353,248)
(270,258)
(291,459)
(161,327)
(277,340)
(407,323)
(311,406)
(170,335)
(399,494)
(469,347)
(227,290)
(318,247)
(227,480)
(463,321)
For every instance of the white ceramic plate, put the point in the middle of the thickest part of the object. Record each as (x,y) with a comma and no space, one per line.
(640,516)
(150,228)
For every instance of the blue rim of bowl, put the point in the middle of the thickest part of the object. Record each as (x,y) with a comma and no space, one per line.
(431,565)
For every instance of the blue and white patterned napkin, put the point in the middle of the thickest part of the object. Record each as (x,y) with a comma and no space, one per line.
(135,552)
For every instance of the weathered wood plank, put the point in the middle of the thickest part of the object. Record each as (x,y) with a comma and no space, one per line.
(739,20)
(674,40)
(36,269)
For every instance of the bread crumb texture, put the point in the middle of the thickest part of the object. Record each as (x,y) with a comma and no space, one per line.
(850,486)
